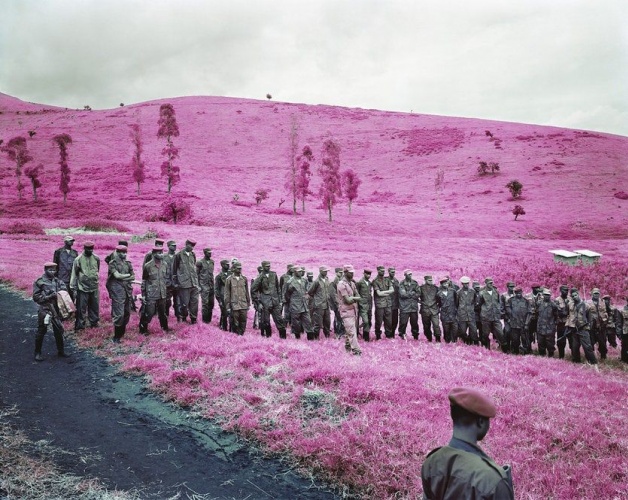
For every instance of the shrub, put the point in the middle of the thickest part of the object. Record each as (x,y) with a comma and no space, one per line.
(24,227)
(33,174)
(518,210)
(350,184)
(261,195)
(621,195)
(175,209)
(104,226)
(17,151)
(515,188)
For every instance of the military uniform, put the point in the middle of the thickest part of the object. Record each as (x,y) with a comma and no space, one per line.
(562,306)
(121,294)
(518,314)
(45,291)
(155,293)
(395,300)
(321,292)
(64,258)
(578,325)
(429,310)
(219,290)
(267,293)
(466,299)
(237,301)
(297,297)
(547,319)
(205,272)
(171,299)
(448,314)
(348,312)
(490,314)
(185,278)
(409,307)
(365,306)
(339,328)
(283,285)
(621,327)
(383,306)
(598,317)
(84,282)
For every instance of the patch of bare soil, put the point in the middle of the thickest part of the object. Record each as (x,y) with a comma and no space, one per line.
(111,428)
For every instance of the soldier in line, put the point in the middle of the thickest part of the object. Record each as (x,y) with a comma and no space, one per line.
(598,318)
(395,299)
(120,287)
(205,272)
(429,308)
(348,299)
(547,319)
(108,258)
(518,313)
(409,305)
(64,259)
(466,299)
(266,292)
(185,279)
(149,255)
(45,291)
(297,297)
(308,285)
(382,294)
(446,300)
(562,304)
(219,290)
(365,307)
(491,315)
(621,327)
(256,305)
(339,329)
(237,298)
(283,283)
(84,282)
(155,290)
(477,308)
(610,327)
(172,299)
(321,292)
(510,292)
(534,297)
(578,327)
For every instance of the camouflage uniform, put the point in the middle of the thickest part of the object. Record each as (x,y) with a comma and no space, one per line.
(518,314)
(383,307)
(395,300)
(578,325)
(84,281)
(45,291)
(562,305)
(598,318)
(185,279)
(297,297)
(365,306)
(349,313)
(621,327)
(321,292)
(491,314)
(339,328)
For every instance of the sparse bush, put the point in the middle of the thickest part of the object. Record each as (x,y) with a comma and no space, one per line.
(175,209)
(350,184)
(17,151)
(87,108)
(168,128)
(104,226)
(261,195)
(33,174)
(25,227)
(515,188)
(621,195)
(484,168)
(488,133)
(269,97)
(518,210)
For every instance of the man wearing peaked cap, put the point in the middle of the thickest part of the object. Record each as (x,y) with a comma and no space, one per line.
(429,309)
(205,271)
(382,295)
(159,243)
(598,318)
(120,276)
(322,302)
(339,328)
(64,258)
(185,278)
(365,306)
(347,298)
(84,282)
(462,469)
(108,258)
(266,293)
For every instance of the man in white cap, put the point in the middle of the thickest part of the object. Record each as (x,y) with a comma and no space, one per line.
(348,299)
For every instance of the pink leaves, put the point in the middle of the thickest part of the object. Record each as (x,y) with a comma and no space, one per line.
(62,141)
(350,184)
(330,189)
(167,122)
(169,128)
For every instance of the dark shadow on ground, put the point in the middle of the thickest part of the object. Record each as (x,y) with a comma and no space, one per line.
(118,432)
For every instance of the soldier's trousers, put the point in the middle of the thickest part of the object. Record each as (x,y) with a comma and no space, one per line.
(238,321)
(532,330)
(450,331)
(301,322)
(598,336)
(395,320)
(321,318)
(430,321)
(224,317)
(413,316)
(188,303)
(339,327)
(519,338)
(207,304)
(472,336)
(121,310)
(350,324)
(42,329)
(561,343)
(365,318)
(383,314)
(286,315)
(581,338)
(87,306)
(150,309)
(547,342)
(264,321)
(494,327)
(624,348)
(172,300)
(611,335)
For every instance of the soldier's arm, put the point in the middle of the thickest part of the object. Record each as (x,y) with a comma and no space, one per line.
(74,275)
(40,295)
(313,288)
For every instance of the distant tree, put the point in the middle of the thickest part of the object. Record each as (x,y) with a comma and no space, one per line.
(269,97)
(62,140)
(350,184)
(17,151)
(168,129)
(488,133)
(303,175)
(291,181)
(175,209)
(439,185)
(33,174)
(515,188)
(331,189)
(518,210)
(137,164)
(31,133)
(261,195)
(485,167)
(121,104)
(87,108)
(494,167)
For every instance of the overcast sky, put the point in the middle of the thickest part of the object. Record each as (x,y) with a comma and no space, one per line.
(554,62)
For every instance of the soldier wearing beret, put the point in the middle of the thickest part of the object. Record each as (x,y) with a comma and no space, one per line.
(120,287)
(219,290)
(185,278)
(154,291)
(429,308)
(598,317)
(205,272)
(446,300)
(562,304)
(108,258)
(547,319)
(45,291)
(383,291)
(266,293)
(395,299)
(365,306)
(409,305)
(237,298)
(339,329)
(84,282)
(322,302)
(462,470)
(491,314)
(348,299)
(64,259)
(297,297)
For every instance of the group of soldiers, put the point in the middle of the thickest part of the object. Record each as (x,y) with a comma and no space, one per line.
(467,312)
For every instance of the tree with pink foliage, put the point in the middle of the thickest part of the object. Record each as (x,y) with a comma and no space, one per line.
(168,129)
(331,187)
(303,175)
(350,184)
(17,151)
(175,209)
(517,211)
(33,174)
(137,164)
(62,140)
(261,195)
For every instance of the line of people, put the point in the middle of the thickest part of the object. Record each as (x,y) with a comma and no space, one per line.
(467,312)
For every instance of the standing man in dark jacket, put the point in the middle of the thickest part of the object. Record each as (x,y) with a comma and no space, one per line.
(172,299)
(149,255)
(186,280)
(395,299)
(621,327)
(466,299)
(578,325)
(598,317)
(45,291)
(382,295)
(237,298)
(547,316)
(447,309)
(155,291)
(267,295)
(120,288)
(84,282)
(321,292)
(205,271)
(297,297)
(339,328)
(429,309)
(283,284)
(64,258)
(518,313)
(409,305)
(365,306)
(562,305)
(461,470)
(491,316)
(219,290)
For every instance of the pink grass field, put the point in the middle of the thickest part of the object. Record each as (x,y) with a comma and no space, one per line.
(363,424)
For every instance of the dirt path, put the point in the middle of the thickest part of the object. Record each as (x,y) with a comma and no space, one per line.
(125,435)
